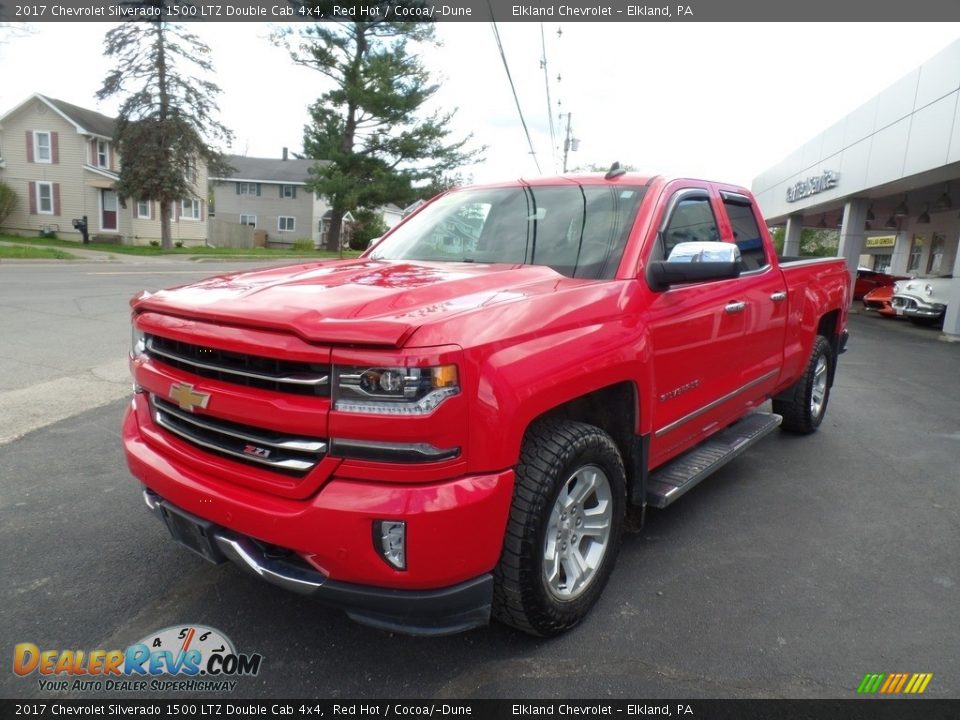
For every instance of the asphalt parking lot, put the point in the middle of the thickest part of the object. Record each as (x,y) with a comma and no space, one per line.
(795,570)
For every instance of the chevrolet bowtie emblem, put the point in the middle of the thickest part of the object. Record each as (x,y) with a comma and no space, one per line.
(186,398)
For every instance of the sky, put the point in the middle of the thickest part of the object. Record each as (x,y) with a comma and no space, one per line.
(717,101)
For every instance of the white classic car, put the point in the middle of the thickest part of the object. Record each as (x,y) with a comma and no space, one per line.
(923,300)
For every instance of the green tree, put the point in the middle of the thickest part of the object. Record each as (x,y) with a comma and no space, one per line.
(367,225)
(372,125)
(813,241)
(166,123)
(8,201)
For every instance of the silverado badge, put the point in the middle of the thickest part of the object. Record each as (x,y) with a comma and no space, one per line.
(186,398)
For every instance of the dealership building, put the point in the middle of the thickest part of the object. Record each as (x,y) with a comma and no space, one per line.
(887,177)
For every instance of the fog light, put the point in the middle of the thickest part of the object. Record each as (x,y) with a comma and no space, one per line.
(390,541)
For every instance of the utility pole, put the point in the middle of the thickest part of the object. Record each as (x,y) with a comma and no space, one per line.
(570,144)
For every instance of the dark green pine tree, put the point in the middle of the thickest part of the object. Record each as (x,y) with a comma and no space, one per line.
(371,125)
(165,125)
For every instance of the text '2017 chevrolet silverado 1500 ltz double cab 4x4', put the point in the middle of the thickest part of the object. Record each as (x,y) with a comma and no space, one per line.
(454,424)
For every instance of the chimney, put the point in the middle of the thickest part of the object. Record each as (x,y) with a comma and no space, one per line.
(284,153)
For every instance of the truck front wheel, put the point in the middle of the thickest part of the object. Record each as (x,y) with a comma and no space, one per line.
(564,529)
(804,404)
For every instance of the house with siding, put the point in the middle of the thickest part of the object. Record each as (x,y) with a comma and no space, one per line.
(270,194)
(60,160)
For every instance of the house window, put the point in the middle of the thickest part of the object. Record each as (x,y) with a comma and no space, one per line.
(247,188)
(250,220)
(288,191)
(103,154)
(143,209)
(286,223)
(45,198)
(190,209)
(916,250)
(41,147)
(191,173)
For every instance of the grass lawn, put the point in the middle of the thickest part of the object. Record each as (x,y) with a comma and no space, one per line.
(44,253)
(266,253)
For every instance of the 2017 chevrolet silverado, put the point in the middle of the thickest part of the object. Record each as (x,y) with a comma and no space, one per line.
(455,423)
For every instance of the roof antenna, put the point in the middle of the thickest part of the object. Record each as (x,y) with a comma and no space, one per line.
(615,171)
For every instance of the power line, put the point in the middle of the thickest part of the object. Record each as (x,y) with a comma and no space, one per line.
(503,56)
(546,82)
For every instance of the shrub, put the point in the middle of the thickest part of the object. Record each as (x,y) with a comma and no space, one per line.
(303,245)
(154,243)
(8,201)
(178,243)
(367,226)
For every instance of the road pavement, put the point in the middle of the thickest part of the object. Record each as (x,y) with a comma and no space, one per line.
(65,330)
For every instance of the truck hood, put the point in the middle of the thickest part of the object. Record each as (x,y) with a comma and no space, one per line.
(352,301)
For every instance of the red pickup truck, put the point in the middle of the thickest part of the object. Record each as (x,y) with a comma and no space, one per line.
(454,424)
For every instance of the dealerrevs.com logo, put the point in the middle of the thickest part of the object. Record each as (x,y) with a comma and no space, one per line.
(178,658)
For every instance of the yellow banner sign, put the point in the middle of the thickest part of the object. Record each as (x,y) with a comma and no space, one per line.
(882,241)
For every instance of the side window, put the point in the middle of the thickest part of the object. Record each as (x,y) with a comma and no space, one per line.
(746,234)
(692,220)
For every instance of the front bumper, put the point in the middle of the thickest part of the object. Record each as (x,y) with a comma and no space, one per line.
(913,307)
(455,532)
(415,612)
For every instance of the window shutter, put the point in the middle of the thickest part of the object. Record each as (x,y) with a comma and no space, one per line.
(176,211)
(281,192)
(33,194)
(110,155)
(258,189)
(294,192)
(30,147)
(238,188)
(55,147)
(92,147)
(56,198)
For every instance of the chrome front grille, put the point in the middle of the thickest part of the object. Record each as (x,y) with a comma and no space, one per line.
(903,303)
(300,378)
(258,446)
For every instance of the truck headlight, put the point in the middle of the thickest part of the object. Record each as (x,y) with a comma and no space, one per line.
(928,289)
(393,390)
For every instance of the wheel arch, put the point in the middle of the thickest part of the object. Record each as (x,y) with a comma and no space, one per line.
(615,409)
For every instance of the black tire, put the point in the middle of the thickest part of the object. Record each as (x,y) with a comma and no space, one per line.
(559,461)
(801,414)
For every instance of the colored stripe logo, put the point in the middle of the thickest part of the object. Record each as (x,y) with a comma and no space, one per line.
(894,683)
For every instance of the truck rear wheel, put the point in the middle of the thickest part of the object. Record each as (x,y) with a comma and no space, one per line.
(564,529)
(804,405)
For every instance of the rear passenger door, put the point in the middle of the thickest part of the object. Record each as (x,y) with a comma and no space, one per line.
(763,290)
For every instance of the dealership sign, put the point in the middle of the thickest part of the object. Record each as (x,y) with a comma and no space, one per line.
(812,185)
(881,241)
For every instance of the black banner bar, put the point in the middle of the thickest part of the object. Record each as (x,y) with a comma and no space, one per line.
(287,11)
(873,709)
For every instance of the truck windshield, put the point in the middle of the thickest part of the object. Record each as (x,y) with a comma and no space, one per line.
(579,231)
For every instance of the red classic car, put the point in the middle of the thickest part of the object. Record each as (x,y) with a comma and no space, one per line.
(868,280)
(878,301)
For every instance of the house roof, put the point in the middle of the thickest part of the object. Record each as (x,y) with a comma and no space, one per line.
(87,122)
(271,170)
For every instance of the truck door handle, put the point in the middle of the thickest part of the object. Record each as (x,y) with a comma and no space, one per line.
(778,296)
(735,307)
